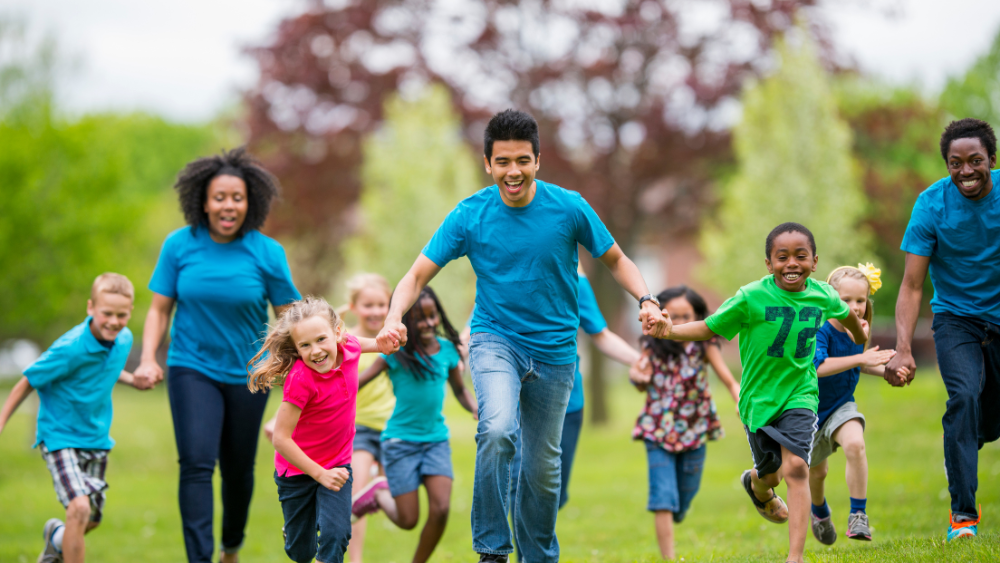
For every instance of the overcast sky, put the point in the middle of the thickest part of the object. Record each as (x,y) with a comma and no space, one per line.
(183,59)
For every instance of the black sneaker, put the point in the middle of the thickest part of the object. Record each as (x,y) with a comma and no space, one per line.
(492,558)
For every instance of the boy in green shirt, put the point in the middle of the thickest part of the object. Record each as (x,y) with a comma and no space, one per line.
(777,319)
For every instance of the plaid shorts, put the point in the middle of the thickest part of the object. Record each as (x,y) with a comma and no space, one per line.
(78,473)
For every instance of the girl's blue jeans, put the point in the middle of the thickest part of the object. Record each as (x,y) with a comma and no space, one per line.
(504,375)
(968,354)
(309,507)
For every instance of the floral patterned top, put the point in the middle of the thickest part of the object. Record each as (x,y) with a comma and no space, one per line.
(679,414)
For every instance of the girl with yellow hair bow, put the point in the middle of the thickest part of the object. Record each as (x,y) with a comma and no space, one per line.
(839,363)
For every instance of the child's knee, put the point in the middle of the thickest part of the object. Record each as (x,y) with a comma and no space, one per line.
(819,472)
(438,509)
(796,469)
(854,448)
(78,510)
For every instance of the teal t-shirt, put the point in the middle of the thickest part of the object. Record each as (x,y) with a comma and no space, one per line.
(417,416)
(525,259)
(74,379)
(777,331)
(222,292)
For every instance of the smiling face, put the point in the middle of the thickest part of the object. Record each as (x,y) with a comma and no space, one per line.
(370,307)
(110,312)
(427,326)
(854,292)
(513,166)
(680,311)
(969,166)
(791,261)
(226,206)
(316,342)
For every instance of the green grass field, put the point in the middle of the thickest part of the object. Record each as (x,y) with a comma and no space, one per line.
(605,520)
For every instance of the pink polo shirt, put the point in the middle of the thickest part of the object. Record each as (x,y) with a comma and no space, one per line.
(325,431)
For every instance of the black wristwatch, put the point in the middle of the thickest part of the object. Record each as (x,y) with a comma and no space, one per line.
(649,297)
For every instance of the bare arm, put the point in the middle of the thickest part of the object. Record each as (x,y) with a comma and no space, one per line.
(692,331)
(640,373)
(628,276)
(368,345)
(615,347)
(858,331)
(288,417)
(714,355)
(462,393)
(870,359)
(18,394)
(911,292)
(372,372)
(149,372)
(393,333)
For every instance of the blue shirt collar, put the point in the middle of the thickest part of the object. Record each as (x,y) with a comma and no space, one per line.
(90,343)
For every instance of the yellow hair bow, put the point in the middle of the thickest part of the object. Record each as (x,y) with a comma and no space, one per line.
(874,276)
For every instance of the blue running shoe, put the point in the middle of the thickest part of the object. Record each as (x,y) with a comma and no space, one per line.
(965,529)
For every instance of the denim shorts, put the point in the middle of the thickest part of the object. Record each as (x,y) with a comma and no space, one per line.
(407,463)
(674,478)
(368,439)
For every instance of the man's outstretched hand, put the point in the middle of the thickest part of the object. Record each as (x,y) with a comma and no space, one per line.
(391,337)
(653,322)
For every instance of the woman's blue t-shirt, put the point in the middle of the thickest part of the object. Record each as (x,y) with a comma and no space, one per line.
(838,389)
(592,322)
(222,292)
(525,259)
(417,416)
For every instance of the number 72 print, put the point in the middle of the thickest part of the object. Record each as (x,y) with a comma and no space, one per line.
(787,316)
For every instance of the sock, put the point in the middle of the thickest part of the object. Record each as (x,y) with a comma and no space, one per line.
(821,510)
(858,505)
(57,537)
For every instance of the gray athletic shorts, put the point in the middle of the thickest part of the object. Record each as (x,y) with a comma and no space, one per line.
(823,444)
(794,429)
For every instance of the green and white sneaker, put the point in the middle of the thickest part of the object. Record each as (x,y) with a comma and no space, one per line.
(823,529)
(50,554)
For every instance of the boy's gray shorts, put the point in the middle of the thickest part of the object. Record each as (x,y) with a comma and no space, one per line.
(823,444)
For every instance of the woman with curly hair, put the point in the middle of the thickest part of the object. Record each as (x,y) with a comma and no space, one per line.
(220,272)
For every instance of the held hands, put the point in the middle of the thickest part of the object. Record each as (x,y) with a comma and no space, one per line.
(653,322)
(147,375)
(640,373)
(391,337)
(900,370)
(332,479)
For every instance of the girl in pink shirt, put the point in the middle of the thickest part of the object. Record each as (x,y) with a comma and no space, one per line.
(318,361)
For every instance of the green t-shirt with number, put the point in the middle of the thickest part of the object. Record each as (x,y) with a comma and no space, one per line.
(777,331)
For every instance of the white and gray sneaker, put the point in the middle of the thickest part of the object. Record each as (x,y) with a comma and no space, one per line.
(823,529)
(50,554)
(857,527)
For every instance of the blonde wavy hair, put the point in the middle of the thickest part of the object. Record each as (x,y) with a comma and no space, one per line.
(360,282)
(851,272)
(278,353)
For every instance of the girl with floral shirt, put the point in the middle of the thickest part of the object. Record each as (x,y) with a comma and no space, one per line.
(679,417)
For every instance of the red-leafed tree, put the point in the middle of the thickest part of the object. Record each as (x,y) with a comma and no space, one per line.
(633,100)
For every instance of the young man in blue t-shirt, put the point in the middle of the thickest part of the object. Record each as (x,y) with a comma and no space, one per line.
(521,236)
(954,232)
(74,379)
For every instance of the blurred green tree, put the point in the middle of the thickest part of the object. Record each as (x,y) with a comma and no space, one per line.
(80,197)
(977,92)
(416,168)
(793,154)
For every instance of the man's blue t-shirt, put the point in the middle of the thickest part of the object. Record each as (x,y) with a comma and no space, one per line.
(222,291)
(838,389)
(417,416)
(525,259)
(962,238)
(74,379)
(592,322)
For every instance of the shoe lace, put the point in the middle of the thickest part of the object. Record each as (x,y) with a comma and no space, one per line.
(967,523)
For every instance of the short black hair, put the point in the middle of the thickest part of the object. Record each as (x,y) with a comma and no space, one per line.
(666,349)
(510,125)
(193,180)
(969,128)
(788,228)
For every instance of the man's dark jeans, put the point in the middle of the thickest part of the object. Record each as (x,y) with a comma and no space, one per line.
(968,354)
(213,422)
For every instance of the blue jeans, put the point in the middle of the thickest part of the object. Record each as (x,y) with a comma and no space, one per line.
(505,376)
(572,424)
(309,507)
(968,353)
(674,478)
(213,422)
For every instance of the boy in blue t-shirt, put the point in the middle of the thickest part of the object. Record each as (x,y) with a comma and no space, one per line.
(74,379)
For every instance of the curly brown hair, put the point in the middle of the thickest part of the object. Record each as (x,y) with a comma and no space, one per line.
(192,187)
